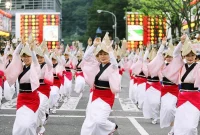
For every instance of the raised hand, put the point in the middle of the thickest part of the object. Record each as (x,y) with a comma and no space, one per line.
(97,41)
(164,41)
(183,38)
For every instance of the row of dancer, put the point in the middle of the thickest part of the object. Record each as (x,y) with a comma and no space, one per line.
(43,80)
(164,84)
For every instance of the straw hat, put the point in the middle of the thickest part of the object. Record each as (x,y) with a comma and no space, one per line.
(187,47)
(170,50)
(105,44)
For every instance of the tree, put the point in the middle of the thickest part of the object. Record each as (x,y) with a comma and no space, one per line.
(74,19)
(105,20)
(176,11)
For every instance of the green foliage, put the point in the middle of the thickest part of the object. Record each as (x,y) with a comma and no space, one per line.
(81,20)
(174,10)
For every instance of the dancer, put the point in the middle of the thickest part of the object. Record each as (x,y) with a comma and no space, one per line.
(151,106)
(105,81)
(28,100)
(46,80)
(169,94)
(188,105)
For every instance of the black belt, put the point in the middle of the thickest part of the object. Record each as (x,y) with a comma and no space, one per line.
(78,69)
(154,79)
(67,69)
(25,88)
(55,76)
(102,85)
(188,86)
(42,82)
(140,76)
(167,81)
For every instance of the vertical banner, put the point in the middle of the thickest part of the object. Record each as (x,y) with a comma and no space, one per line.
(145,28)
(40,28)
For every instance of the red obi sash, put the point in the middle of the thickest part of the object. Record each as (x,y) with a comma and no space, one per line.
(192,97)
(155,85)
(57,82)
(141,80)
(79,74)
(68,75)
(121,71)
(105,95)
(173,89)
(45,89)
(135,80)
(31,100)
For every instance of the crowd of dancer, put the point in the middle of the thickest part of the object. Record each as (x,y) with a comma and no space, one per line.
(164,83)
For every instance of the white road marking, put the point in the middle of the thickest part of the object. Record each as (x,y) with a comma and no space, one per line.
(128,105)
(76,116)
(140,129)
(71,103)
(8,105)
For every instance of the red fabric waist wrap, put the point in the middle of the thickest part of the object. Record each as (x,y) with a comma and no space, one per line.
(155,85)
(121,71)
(192,97)
(173,89)
(135,80)
(79,74)
(105,95)
(68,75)
(31,100)
(57,83)
(141,80)
(45,89)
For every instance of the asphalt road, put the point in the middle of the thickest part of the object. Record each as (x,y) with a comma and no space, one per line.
(70,116)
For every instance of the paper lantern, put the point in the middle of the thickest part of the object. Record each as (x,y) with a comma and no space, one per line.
(132,23)
(53,47)
(26,31)
(52,16)
(33,24)
(26,20)
(33,16)
(152,34)
(140,42)
(152,42)
(129,23)
(33,20)
(141,23)
(53,23)
(132,15)
(44,20)
(26,16)
(53,43)
(44,16)
(26,24)
(57,43)
(160,35)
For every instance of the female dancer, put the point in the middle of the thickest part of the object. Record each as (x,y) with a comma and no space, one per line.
(28,100)
(105,81)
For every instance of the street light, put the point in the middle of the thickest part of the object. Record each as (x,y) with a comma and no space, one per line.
(8,5)
(115,25)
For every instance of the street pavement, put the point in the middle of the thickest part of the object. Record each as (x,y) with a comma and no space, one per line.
(70,116)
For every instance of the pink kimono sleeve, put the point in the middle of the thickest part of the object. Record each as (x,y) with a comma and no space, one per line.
(16,64)
(90,69)
(197,76)
(115,81)
(172,71)
(155,65)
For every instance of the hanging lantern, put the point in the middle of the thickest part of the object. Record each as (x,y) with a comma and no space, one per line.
(52,16)
(33,16)
(129,23)
(140,42)
(26,16)
(26,20)
(132,23)
(152,34)
(141,23)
